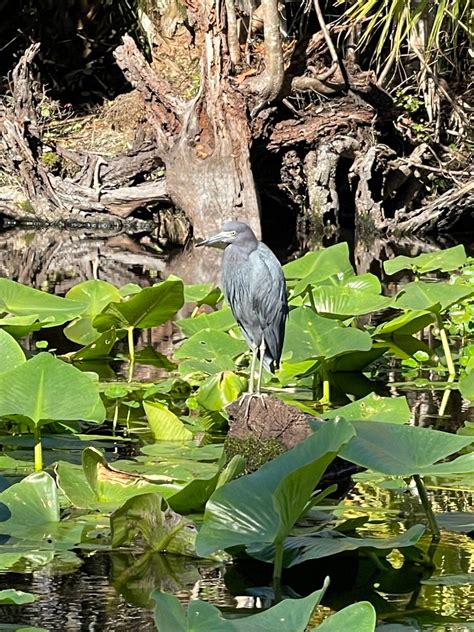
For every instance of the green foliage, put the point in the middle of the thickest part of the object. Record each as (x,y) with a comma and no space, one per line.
(140,502)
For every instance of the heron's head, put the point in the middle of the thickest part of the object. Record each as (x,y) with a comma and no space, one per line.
(231,232)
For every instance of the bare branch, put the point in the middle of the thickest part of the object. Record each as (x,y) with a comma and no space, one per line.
(232,37)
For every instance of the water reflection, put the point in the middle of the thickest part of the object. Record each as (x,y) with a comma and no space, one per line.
(56,259)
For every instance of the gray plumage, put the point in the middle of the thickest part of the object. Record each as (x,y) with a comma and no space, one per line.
(255,289)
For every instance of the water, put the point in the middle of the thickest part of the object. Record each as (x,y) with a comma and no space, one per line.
(109,591)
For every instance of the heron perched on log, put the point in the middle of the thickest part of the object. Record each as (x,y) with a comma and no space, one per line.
(255,289)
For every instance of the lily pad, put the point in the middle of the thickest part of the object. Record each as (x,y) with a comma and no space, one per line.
(372,407)
(209,352)
(164,424)
(150,307)
(10,595)
(10,351)
(311,336)
(45,388)
(263,506)
(443,260)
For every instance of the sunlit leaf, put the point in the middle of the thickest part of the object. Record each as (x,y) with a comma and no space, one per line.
(442,260)
(150,307)
(262,507)
(219,390)
(311,336)
(10,595)
(45,388)
(10,351)
(164,424)
(431,296)
(21,300)
(373,408)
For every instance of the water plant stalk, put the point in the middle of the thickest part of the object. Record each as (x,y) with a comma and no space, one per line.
(427,507)
(277,568)
(38,450)
(131,354)
(447,351)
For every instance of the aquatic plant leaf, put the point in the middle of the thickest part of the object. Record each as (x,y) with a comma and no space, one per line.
(442,260)
(372,407)
(434,297)
(150,307)
(164,424)
(150,520)
(32,504)
(366,282)
(45,388)
(21,300)
(263,506)
(201,293)
(399,450)
(99,349)
(457,521)
(219,390)
(96,485)
(466,386)
(359,616)
(10,351)
(344,302)
(450,580)
(324,543)
(19,326)
(290,614)
(96,295)
(311,336)
(220,320)
(318,266)
(209,352)
(148,355)
(408,323)
(19,597)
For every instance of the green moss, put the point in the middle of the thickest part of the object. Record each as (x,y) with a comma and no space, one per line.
(26,206)
(51,160)
(255,451)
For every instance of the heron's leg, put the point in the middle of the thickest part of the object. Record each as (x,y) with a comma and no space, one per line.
(260,369)
(252,369)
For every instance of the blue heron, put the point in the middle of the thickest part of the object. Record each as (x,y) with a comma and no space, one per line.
(255,289)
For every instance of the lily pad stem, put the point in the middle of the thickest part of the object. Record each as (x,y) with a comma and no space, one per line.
(131,354)
(277,567)
(447,351)
(427,507)
(38,450)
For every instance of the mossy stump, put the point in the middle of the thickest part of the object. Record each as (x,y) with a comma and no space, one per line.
(264,427)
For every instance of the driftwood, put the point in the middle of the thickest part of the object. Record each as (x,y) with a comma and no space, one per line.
(111,187)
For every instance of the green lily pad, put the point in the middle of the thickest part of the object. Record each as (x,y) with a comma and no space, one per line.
(399,450)
(164,424)
(10,595)
(210,352)
(21,300)
(150,307)
(262,506)
(443,260)
(219,390)
(359,616)
(311,336)
(31,389)
(372,407)
(10,351)
(290,614)
(148,520)
(220,320)
(343,302)
(434,297)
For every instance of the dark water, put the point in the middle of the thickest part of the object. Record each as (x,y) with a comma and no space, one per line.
(109,591)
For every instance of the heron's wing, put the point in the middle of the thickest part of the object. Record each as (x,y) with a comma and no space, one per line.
(255,289)
(271,305)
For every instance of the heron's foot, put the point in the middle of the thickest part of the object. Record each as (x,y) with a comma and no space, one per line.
(249,397)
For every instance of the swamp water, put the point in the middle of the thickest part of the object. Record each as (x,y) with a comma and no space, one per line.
(95,589)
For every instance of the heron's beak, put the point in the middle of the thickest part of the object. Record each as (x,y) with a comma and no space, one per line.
(218,241)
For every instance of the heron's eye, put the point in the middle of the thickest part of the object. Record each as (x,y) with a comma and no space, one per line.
(233,233)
